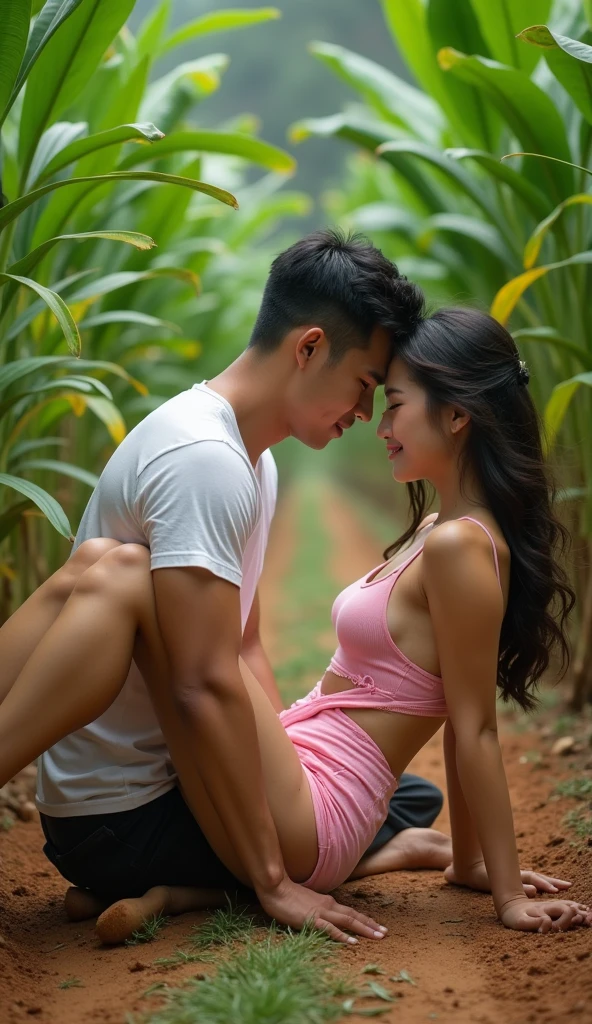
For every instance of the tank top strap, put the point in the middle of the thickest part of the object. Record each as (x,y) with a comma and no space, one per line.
(495,555)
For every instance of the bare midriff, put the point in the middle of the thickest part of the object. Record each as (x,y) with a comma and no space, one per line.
(399,736)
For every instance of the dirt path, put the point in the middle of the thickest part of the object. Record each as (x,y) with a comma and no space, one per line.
(467,968)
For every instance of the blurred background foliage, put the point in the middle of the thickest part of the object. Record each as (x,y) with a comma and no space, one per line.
(120,289)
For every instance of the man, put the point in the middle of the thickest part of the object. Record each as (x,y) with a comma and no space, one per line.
(195,482)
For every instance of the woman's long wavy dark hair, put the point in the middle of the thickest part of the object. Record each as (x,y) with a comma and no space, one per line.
(464,358)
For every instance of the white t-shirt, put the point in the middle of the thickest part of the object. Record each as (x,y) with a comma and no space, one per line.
(182,484)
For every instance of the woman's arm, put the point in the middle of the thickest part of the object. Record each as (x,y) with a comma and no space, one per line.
(466,608)
(466,849)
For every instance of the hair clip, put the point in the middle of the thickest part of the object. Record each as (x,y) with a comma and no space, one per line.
(523,374)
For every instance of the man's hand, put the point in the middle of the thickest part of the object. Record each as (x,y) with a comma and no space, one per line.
(475,877)
(294,905)
(544,916)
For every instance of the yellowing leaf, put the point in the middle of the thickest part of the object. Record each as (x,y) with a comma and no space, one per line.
(507,297)
(78,404)
(533,246)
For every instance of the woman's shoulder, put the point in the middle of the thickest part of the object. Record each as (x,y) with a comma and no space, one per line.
(465,542)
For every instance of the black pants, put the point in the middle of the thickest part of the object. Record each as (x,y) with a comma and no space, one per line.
(125,853)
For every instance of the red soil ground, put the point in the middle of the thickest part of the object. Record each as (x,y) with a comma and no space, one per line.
(468,969)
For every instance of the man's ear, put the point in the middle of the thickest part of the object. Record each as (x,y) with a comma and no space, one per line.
(309,343)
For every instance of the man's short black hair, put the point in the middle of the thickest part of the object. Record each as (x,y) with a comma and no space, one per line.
(340,283)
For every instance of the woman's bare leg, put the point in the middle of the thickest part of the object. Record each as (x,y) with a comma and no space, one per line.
(21,633)
(79,666)
(79,663)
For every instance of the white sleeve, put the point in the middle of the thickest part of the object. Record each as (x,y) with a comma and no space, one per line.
(198,505)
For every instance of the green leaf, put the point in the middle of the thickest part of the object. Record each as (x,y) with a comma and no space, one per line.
(189,82)
(559,401)
(392,97)
(12,210)
(61,467)
(527,111)
(533,246)
(24,266)
(57,306)
(380,992)
(19,368)
(393,151)
(381,216)
(536,201)
(110,415)
(502,20)
(232,143)
(469,227)
(550,336)
(23,320)
(219,21)
(94,290)
(66,65)
(31,260)
(54,13)
(569,60)
(409,25)
(368,134)
(91,143)
(554,159)
(14,21)
(150,33)
(24,447)
(480,121)
(11,517)
(126,316)
(403,976)
(507,297)
(44,501)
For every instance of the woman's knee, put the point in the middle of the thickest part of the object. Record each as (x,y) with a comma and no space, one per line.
(89,552)
(122,571)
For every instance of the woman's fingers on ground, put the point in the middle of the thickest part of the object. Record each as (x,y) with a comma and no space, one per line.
(359,923)
(334,932)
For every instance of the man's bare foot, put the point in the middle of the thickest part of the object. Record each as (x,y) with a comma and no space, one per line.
(411,850)
(119,921)
(81,904)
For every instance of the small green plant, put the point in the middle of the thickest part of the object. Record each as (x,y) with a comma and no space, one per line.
(283,978)
(580,823)
(403,976)
(71,983)
(179,957)
(564,724)
(579,788)
(223,928)
(6,823)
(149,930)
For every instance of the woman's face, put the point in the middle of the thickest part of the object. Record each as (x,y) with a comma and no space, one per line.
(417,448)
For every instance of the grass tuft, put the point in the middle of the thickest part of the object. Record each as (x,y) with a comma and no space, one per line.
(580,823)
(283,978)
(579,788)
(223,928)
(71,983)
(149,930)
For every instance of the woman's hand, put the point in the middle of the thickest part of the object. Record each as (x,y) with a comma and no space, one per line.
(294,905)
(475,877)
(544,915)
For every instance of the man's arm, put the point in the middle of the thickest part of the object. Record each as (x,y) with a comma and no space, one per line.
(254,656)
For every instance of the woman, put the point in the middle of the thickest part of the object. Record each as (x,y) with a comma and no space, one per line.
(463,605)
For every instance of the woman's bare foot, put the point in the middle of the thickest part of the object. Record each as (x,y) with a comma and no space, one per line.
(412,849)
(119,921)
(81,904)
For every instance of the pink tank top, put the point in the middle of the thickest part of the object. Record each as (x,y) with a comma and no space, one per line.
(384,678)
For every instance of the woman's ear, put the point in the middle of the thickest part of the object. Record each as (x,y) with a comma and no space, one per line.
(458,420)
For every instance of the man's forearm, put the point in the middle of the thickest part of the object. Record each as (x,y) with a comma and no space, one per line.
(212,739)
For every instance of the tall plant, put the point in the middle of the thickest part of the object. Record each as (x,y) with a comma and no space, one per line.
(83,165)
(493,79)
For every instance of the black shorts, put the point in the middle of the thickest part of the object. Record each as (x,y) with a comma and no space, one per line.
(125,853)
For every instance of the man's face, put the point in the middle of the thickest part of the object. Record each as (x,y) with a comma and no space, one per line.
(325,399)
